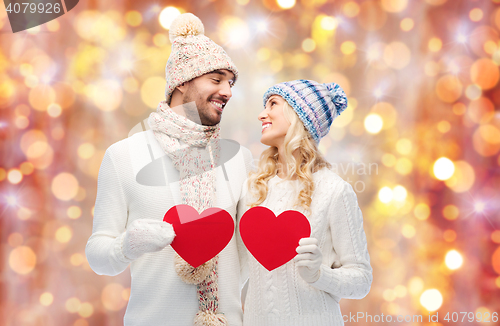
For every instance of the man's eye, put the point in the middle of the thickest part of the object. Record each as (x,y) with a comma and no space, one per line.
(216,80)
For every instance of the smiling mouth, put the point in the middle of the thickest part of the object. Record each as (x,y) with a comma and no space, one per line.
(218,105)
(265,126)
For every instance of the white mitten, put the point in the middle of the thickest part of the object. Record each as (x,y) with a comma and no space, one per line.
(145,235)
(308,259)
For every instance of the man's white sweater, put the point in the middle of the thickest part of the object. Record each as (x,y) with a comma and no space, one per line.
(158,296)
(281,297)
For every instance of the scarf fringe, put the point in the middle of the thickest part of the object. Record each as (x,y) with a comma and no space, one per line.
(190,274)
(208,318)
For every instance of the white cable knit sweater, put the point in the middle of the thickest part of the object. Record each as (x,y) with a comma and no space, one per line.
(282,297)
(158,296)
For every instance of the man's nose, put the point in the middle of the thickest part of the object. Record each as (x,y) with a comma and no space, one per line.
(225,91)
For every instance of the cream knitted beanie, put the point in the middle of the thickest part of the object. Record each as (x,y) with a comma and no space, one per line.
(193,54)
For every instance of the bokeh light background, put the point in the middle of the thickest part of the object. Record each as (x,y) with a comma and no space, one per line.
(419,142)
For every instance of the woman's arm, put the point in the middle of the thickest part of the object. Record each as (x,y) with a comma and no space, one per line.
(353,279)
(104,247)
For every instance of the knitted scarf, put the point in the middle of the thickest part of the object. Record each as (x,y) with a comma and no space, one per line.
(195,160)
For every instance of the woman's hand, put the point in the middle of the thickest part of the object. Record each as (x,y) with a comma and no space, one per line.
(308,259)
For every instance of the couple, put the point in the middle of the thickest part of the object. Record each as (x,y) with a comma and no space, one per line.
(128,218)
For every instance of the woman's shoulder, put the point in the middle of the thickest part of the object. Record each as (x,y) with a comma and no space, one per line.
(326,178)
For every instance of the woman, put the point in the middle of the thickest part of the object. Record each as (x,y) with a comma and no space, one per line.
(334,262)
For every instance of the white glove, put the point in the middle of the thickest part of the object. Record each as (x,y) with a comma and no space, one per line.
(145,235)
(308,259)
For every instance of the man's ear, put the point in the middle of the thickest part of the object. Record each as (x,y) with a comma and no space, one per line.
(182,87)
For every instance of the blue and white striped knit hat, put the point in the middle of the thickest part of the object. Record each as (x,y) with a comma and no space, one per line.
(317,105)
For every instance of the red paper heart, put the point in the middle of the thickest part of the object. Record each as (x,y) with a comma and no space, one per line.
(273,240)
(199,237)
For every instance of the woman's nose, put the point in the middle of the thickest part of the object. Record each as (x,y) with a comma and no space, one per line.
(262,115)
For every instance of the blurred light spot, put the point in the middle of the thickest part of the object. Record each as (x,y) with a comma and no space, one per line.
(400,291)
(64,186)
(86,150)
(449,235)
(453,260)
(24,213)
(443,126)
(397,55)
(461,38)
(463,178)
(26,168)
(422,211)
(431,68)
(153,91)
(408,231)
(15,239)
(133,18)
(262,26)
(74,212)
(495,260)
(373,123)
(371,16)
(72,305)
(233,32)
(388,160)
(263,54)
(350,9)
(479,207)
(407,24)
(473,92)
(348,47)
(481,110)
(450,212)
(389,295)
(54,110)
(490,47)
(31,81)
(476,14)
(81,194)
(63,234)
(243,2)
(443,168)
(385,195)
(167,16)
(484,73)
(431,299)
(46,299)
(387,112)
(486,141)
(399,193)
(53,26)
(404,166)
(77,259)
(81,322)
(126,294)
(415,285)
(344,119)
(394,5)
(308,45)
(3,174)
(495,236)
(21,122)
(459,108)
(329,23)
(159,40)
(112,298)
(14,176)
(130,85)
(86,310)
(404,146)
(22,260)
(41,96)
(449,88)
(435,44)
(11,200)
(107,95)
(286,4)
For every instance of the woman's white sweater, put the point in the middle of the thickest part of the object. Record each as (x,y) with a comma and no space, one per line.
(282,297)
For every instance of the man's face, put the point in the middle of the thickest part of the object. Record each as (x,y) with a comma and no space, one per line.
(210,93)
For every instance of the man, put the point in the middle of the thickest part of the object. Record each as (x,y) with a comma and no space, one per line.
(128,217)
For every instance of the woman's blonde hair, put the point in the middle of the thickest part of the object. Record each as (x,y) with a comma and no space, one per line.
(309,160)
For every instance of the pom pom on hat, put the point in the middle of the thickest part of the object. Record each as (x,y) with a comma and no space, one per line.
(184,25)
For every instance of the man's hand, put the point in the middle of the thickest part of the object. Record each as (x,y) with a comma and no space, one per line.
(145,235)
(308,259)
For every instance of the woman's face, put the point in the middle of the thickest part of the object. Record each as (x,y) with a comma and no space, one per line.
(274,123)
